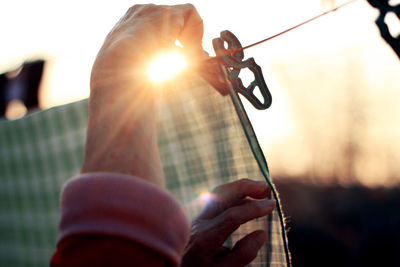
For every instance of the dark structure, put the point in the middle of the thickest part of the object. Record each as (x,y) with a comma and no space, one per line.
(384,8)
(22,84)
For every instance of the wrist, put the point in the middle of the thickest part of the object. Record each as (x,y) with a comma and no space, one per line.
(121,134)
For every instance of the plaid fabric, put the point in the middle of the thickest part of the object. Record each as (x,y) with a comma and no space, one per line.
(202,145)
(37,155)
(201,141)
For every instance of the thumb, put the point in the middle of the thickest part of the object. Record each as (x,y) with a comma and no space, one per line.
(246,249)
(191,34)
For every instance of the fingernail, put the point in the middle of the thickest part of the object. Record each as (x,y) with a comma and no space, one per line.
(270,203)
(262,184)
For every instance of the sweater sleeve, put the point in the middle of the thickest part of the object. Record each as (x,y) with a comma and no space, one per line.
(122,207)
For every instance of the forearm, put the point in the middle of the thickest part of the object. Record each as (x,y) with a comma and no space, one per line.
(122,133)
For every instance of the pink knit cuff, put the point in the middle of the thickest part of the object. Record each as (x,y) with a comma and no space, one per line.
(122,205)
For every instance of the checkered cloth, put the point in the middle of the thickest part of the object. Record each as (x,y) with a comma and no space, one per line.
(201,141)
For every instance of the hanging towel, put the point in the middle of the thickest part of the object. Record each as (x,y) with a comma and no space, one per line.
(201,142)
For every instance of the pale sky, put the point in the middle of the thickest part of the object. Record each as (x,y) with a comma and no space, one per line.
(311,73)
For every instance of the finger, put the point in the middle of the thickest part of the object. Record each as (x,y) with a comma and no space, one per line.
(245,249)
(244,201)
(227,222)
(233,192)
(191,34)
(155,28)
(181,22)
(228,195)
(149,20)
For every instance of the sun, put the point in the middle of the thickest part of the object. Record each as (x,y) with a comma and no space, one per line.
(166,66)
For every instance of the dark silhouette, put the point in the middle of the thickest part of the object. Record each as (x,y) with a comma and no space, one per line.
(21,85)
(342,226)
(384,8)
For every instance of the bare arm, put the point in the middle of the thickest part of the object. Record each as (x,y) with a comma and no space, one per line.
(121,134)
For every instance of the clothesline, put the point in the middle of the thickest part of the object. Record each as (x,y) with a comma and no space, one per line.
(290,29)
(298,25)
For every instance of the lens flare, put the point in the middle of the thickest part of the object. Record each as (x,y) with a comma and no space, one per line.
(206,197)
(166,67)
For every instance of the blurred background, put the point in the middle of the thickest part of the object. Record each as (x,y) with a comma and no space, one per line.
(331,136)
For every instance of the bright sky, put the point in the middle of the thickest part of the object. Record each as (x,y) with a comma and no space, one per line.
(308,71)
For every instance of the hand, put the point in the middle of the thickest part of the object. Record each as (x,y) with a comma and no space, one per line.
(121,135)
(230,206)
(142,32)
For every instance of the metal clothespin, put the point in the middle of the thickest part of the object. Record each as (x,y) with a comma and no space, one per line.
(222,71)
(231,62)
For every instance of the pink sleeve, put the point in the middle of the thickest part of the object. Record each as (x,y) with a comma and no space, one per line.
(124,206)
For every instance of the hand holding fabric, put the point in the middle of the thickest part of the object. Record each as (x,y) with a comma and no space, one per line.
(121,136)
(230,205)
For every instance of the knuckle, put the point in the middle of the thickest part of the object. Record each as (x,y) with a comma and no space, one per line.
(164,8)
(243,185)
(238,184)
(190,6)
(245,181)
(134,9)
(231,218)
(140,9)
(219,189)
